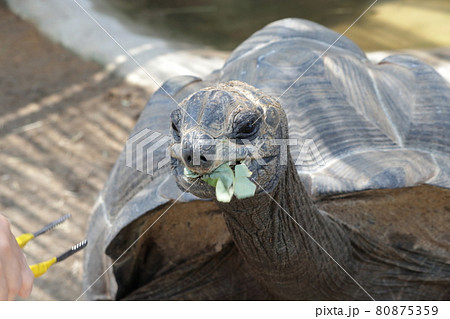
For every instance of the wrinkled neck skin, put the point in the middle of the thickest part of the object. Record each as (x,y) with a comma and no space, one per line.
(280,254)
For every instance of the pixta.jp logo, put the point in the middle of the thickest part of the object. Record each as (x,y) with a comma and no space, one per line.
(149,150)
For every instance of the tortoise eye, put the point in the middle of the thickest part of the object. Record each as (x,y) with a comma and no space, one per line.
(246,127)
(174,126)
(175,132)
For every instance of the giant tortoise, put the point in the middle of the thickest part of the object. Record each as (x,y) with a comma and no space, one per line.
(351,163)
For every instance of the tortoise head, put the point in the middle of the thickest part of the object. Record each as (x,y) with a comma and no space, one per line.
(233,123)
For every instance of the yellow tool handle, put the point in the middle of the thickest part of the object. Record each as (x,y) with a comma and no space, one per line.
(41,268)
(23,239)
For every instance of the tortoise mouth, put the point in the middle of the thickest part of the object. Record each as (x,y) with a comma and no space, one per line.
(196,185)
(194,175)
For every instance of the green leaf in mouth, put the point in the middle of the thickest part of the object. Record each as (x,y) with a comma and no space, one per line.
(228,182)
(189,173)
(243,187)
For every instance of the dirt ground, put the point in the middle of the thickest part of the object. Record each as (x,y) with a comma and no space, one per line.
(63,122)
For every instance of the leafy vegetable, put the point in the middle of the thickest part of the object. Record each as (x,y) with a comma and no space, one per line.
(222,179)
(243,187)
(189,173)
(228,182)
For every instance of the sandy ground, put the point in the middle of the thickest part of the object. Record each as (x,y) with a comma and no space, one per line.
(63,122)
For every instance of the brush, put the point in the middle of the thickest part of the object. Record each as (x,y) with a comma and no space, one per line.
(23,239)
(41,268)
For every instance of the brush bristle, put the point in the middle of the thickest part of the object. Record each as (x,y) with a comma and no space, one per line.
(80,245)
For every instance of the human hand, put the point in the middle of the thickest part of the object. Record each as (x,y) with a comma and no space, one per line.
(16,277)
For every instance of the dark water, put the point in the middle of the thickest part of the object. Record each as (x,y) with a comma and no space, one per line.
(224,24)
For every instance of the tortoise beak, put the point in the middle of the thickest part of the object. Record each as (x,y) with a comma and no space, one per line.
(198,152)
(198,158)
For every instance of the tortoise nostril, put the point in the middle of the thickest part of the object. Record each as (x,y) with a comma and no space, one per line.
(197,154)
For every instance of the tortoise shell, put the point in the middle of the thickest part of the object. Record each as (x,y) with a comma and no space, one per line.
(355,126)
